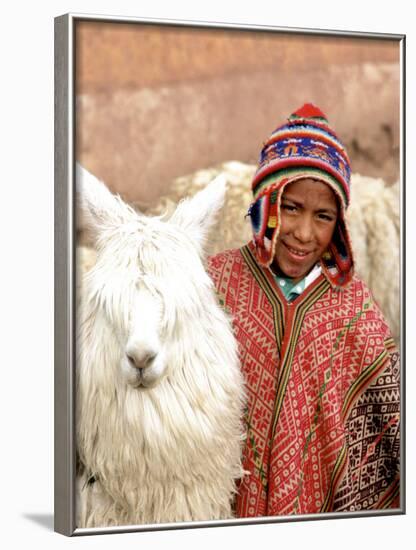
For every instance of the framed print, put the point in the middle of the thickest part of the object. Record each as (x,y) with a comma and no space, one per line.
(229,328)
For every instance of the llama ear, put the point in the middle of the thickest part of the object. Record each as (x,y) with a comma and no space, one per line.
(198,214)
(97,207)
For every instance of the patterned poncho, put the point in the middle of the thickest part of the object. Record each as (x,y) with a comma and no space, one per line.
(322,377)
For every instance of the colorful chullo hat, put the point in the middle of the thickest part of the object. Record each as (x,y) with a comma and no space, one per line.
(304,147)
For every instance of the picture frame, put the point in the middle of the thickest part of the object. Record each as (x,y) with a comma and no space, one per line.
(67,135)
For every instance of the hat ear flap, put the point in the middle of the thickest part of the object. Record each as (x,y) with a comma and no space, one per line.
(259,214)
(265,221)
(337,263)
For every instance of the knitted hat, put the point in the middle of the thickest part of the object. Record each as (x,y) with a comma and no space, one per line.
(304,147)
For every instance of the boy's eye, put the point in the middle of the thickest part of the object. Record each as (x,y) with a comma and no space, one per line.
(326,217)
(289,207)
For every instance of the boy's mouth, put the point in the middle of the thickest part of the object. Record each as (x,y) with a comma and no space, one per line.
(296,252)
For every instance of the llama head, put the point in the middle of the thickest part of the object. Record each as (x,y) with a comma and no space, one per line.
(147,277)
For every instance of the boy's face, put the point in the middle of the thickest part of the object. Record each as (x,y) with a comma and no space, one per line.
(309,212)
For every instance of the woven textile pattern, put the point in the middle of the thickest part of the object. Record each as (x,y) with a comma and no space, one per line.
(323,400)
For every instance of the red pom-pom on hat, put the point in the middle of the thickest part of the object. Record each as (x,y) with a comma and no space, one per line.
(308,111)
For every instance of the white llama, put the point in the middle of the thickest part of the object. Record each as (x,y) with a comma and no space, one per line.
(160,394)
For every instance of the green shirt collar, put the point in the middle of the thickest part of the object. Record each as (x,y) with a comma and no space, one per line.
(293,290)
(290,290)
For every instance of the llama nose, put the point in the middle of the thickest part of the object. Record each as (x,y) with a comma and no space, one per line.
(141,358)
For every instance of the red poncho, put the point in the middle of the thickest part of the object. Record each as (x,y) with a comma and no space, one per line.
(322,377)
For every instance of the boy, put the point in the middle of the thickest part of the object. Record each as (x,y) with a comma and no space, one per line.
(321,369)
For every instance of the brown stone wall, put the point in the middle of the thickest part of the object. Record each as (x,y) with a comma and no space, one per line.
(156,102)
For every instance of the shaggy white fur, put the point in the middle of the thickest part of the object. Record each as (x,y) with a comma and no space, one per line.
(160,394)
(374,222)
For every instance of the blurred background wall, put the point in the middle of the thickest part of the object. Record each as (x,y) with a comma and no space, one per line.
(156,102)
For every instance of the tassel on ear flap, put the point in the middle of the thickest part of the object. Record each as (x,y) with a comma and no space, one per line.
(197,215)
(97,207)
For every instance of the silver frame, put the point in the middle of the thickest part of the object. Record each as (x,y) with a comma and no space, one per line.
(64,356)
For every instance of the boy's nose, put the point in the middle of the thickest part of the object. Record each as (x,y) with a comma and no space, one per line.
(303,230)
